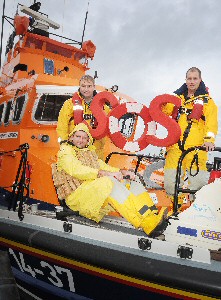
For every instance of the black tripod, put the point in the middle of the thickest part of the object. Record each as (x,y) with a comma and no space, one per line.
(20,183)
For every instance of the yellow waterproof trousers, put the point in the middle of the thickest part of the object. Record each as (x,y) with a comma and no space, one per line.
(137,209)
(195,180)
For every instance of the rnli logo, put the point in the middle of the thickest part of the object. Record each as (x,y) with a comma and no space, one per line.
(211,234)
(8,135)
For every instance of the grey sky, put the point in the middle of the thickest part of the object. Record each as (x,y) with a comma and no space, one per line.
(143,46)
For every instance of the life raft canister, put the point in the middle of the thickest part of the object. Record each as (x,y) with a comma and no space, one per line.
(170,124)
(114,128)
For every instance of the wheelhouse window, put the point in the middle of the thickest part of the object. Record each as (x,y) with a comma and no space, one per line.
(49,106)
(2,106)
(7,113)
(18,109)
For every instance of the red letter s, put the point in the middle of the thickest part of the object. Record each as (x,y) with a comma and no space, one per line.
(171,125)
(97,109)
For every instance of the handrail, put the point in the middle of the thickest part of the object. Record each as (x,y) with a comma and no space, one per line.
(178,175)
(139,158)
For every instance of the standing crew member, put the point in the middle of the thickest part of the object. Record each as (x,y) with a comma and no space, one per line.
(93,188)
(198,120)
(81,100)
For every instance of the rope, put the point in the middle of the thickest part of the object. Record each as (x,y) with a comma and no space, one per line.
(196,161)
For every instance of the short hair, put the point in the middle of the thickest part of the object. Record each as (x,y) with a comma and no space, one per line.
(87,78)
(194,69)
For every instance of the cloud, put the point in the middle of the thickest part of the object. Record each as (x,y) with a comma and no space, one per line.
(144,46)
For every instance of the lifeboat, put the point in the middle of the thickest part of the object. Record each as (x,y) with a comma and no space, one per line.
(65,256)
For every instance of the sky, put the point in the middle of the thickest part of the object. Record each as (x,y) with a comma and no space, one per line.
(144,46)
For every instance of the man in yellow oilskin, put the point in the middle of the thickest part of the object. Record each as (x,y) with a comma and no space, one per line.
(81,100)
(198,120)
(95,188)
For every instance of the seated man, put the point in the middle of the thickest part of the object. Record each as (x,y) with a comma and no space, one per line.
(94,188)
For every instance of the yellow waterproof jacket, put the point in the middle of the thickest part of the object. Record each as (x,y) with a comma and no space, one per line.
(66,122)
(68,161)
(202,130)
(90,196)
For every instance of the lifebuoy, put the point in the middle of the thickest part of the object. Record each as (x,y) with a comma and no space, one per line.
(114,128)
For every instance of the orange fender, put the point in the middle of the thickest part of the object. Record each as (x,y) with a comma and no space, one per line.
(89,48)
(21,24)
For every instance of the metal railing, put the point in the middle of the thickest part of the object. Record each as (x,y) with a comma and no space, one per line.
(178,176)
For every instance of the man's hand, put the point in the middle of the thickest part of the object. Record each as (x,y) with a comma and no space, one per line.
(128,173)
(209,146)
(117,175)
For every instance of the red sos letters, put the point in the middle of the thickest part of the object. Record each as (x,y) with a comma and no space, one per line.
(108,124)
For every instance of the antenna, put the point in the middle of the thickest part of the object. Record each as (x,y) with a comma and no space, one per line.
(30,12)
(85,21)
(3,18)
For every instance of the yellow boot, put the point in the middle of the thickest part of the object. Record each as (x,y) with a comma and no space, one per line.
(127,210)
(144,204)
(140,211)
(150,222)
(136,208)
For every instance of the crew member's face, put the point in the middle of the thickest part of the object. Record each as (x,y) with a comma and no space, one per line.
(80,139)
(193,80)
(87,89)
